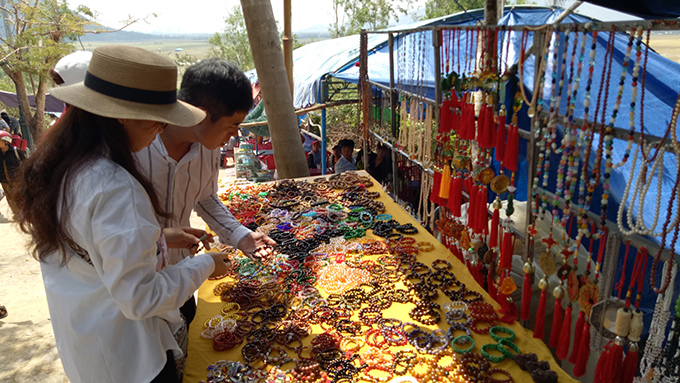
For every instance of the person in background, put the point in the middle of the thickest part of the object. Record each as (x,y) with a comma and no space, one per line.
(183,163)
(10,161)
(91,214)
(13,123)
(337,153)
(380,165)
(314,156)
(71,69)
(345,162)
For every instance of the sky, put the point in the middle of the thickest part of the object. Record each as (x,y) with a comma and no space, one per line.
(208,15)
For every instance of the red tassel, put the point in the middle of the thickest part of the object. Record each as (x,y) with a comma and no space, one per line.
(467,129)
(614,371)
(603,364)
(500,139)
(578,330)
(512,147)
(436,185)
(456,196)
(491,126)
(469,185)
(540,315)
(447,116)
(478,273)
(565,335)
(630,365)
(456,251)
(556,324)
(506,253)
(495,219)
(526,297)
(583,352)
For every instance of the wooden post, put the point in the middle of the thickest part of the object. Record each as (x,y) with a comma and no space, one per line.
(288,44)
(278,102)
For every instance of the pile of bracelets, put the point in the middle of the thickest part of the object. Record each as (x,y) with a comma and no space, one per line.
(324,271)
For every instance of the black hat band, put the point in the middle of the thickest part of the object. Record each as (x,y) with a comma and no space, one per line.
(121,92)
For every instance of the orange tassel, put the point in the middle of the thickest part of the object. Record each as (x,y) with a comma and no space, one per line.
(445,183)
(556,324)
(578,330)
(565,335)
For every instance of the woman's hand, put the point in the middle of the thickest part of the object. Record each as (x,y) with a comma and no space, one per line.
(186,237)
(223,265)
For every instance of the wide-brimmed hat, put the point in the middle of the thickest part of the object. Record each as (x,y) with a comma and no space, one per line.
(130,83)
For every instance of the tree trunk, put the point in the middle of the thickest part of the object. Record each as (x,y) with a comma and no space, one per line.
(278,102)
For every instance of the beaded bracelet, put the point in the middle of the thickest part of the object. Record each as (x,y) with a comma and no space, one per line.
(493,371)
(462,340)
(383,217)
(497,347)
(508,343)
(498,338)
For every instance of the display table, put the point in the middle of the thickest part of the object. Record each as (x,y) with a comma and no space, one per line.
(201,352)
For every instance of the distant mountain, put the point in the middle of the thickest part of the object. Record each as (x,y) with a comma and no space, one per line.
(129,36)
(315,31)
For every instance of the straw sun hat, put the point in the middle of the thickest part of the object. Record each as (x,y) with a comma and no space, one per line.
(130,83)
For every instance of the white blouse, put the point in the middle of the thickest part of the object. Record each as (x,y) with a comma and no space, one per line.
(114,319)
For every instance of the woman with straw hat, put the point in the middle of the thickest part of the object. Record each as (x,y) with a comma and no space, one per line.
(92,217)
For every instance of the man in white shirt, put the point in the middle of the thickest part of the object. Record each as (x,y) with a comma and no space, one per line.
(183,163)
(345,163)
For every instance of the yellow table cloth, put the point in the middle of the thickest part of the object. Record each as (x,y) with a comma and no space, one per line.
(201,352)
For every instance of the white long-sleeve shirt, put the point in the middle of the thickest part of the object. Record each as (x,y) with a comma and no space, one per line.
(189,184)
(114,319)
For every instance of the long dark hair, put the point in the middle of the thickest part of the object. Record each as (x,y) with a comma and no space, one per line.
(77,139)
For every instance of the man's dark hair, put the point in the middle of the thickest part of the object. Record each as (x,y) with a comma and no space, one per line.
(5,117)
(218,86)
(346,142)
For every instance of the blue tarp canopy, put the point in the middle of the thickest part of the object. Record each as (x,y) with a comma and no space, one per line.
(648,9)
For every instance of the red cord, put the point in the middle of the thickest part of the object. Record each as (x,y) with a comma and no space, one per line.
(622,281)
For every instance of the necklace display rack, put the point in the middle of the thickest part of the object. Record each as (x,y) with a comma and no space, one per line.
(568,58)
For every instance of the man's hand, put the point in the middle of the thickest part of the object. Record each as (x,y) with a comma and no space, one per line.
(222,265)
(256,245)
(187,238)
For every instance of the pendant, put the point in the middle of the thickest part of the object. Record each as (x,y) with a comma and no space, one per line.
(547,263)
(486,176)
(508,286)
(588,296)
(531,112)
(500,183)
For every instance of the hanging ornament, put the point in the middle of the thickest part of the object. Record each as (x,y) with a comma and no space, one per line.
(526,290)
(558,293)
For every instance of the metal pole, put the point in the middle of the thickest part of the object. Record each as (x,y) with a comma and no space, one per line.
(365,91)
(393,113)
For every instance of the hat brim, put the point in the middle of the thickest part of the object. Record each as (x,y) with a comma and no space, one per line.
(80,96)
